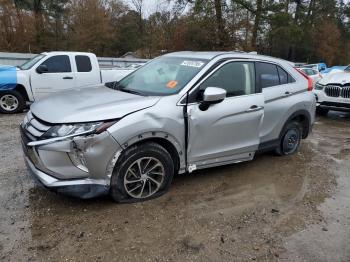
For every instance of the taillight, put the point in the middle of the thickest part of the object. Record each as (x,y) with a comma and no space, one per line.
(309,80)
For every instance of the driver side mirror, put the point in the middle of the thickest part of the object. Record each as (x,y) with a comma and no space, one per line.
(212,95)
(41,69)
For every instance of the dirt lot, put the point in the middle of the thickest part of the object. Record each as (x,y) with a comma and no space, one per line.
(293,208)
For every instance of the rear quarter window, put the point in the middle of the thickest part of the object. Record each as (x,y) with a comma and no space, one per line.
(283,75)
(83,63)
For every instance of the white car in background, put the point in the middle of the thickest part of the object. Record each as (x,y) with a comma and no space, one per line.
(313,74)
(333,92)
(51,72)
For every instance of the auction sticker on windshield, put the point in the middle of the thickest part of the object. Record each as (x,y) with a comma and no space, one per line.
(172,84)
(197,64)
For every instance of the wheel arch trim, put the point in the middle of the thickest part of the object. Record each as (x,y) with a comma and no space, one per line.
(299,113)
(158,137)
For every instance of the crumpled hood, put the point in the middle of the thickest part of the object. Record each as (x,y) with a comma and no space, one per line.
(89,104)
(342,78)
(8,77)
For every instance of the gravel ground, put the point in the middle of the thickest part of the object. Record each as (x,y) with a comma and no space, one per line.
(294,208)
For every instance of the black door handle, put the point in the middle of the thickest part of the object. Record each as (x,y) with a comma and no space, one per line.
(254,108)
(68,77)
(287,93)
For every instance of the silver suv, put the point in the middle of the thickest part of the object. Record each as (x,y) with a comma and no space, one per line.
(180,112)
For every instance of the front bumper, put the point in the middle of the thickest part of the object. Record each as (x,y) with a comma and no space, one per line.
(82,188)
(50,166)
(343,107)
(331,103)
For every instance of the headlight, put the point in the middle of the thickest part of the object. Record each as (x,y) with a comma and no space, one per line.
(319,86)
(77,129)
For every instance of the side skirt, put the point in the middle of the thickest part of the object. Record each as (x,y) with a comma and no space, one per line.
(221,161)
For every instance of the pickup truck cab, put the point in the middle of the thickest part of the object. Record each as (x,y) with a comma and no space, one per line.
(180,112)
(48,73)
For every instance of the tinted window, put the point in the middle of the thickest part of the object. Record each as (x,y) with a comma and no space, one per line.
(83,63)
(267,74)
(290,79)
(272,75)
(58,64)
(237,78)
(283,76)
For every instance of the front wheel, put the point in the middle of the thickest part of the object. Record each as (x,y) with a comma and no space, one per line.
(11,102)
(143,172)
(290,140)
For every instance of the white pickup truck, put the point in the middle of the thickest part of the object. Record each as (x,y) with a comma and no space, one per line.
(48,73)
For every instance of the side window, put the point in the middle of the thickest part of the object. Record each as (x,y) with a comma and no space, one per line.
(83,63)
(267,74)
(237,78)
(58,64)
(283,75)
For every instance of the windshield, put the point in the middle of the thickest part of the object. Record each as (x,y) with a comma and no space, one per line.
(29,64)
(347,69)
(162,76)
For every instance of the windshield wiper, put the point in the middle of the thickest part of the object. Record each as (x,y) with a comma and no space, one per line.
(134,92)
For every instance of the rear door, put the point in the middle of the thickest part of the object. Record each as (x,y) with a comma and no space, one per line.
(87,70)
(59,77)
(228,131)
(276,85)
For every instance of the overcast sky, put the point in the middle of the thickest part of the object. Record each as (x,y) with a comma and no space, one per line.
(151,6)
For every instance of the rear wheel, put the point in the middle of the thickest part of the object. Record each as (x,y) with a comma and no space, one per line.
(143,172)
(290,140)
(11,102)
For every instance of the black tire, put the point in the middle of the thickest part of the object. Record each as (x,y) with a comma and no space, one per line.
(290,139)
(126,162)
(322,111)
(8,106)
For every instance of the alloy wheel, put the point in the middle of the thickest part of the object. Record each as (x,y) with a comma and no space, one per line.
(9,102)
(144,177)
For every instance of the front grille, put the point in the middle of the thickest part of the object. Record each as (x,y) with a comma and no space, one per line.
(346,92)
(34,126)
(337,91)
(333,91)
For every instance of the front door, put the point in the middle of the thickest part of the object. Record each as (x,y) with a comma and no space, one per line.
(228,131)
(59,76)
